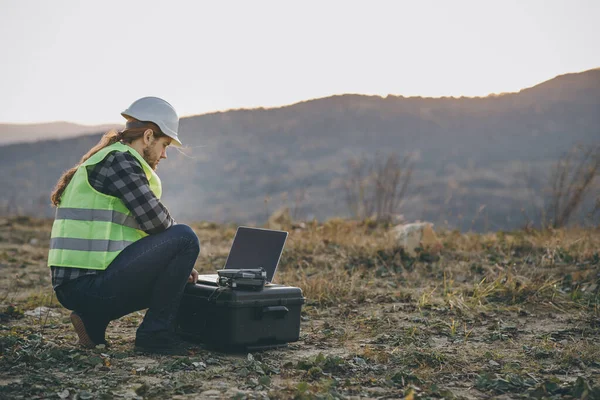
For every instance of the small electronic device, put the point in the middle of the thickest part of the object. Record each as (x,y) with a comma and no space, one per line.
(249,279)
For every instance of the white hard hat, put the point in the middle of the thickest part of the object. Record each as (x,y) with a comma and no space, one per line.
(157,110)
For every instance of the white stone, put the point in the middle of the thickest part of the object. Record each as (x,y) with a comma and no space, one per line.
(210,393)
(418,234)
(40,312)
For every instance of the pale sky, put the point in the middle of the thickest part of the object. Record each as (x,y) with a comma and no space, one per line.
(86,61)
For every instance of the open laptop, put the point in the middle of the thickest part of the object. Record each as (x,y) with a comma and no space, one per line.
(252,248)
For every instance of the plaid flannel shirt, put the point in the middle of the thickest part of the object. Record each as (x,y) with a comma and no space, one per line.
(121,175)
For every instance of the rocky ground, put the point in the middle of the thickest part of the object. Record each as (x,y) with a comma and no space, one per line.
(503,315)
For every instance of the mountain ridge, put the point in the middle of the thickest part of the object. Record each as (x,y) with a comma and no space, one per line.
(100,127)
(594,71)
(23,132)
(468,153)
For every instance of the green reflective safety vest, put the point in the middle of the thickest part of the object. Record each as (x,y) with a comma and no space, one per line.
(91,228)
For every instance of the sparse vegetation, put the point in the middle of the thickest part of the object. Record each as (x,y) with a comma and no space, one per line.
(375,187)
(572,180)
(506,313)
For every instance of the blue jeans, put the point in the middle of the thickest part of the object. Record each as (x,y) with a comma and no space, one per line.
(150,273)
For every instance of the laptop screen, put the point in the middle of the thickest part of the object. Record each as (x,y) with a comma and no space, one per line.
(255,248)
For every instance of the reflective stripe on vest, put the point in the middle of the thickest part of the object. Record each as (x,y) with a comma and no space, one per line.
(88,244)
(87,214)
(91,228)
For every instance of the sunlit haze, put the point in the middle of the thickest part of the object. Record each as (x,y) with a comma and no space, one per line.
(85,61)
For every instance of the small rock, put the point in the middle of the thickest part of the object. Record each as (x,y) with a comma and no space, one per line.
(377,390)
(34,242)
(360,362)
(420,234)
(493,363)
(40,312)
(235,393)
(264,381)
(221,385)
(199,365)
(210,393)
(84,395)
(143,362)
(64,394)
(142,389)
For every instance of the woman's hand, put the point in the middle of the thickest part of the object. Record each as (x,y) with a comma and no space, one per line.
(193,276)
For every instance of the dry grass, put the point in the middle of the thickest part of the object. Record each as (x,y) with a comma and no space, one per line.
(506,312)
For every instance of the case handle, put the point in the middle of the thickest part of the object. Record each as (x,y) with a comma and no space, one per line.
(278,312)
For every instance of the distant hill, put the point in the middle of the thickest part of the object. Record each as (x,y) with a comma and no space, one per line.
(471,155)
(17,133)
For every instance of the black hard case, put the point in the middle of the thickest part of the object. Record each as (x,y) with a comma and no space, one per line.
(226,318)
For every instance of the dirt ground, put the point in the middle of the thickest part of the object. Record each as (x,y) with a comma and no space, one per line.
(505,315)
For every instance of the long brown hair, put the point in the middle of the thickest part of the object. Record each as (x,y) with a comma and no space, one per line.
(126,136)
